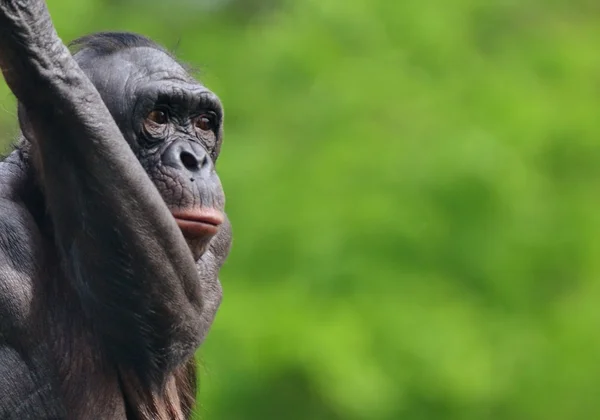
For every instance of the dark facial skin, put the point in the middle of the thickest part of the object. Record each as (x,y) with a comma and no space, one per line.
(174,126)
(112,226)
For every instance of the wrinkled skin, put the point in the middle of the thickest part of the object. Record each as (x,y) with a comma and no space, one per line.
(112,225)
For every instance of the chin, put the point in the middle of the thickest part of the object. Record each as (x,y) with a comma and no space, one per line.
(198,246)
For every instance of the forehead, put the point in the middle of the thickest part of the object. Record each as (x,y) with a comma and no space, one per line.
(142,75)
(151,64)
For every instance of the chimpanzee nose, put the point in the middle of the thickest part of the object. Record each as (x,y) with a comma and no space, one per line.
(185,155)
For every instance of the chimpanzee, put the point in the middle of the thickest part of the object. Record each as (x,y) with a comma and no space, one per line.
(112,225)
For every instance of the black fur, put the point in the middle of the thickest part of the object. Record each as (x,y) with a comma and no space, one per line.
(112,225)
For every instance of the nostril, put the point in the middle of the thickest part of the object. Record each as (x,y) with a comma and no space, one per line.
(189,161)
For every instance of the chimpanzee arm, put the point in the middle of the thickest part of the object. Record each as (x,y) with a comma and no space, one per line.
(121,247)
(26,389)
(29,388)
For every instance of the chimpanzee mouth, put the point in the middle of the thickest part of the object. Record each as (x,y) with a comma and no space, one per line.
(198,222)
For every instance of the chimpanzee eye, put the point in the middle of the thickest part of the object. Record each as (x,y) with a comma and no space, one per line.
(205,122)
(158,117)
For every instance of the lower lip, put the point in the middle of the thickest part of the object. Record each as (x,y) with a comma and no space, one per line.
(198,223)
(196,229)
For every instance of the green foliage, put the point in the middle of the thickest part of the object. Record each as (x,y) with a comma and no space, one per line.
(413,188)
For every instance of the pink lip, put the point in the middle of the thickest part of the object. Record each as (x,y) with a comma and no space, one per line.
(199,221)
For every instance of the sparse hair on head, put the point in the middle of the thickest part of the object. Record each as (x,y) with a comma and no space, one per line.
(107,43)
(102,44)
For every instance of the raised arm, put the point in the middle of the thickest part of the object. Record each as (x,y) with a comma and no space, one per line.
(122,248)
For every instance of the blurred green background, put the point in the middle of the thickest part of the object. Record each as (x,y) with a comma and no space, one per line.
(415,193)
